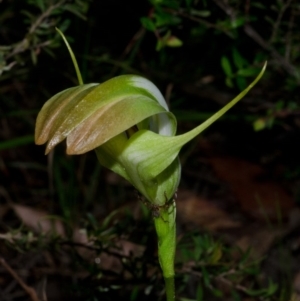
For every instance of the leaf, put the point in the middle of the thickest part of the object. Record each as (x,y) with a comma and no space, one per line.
(237,22)
(259,124)
(201,13)
(199,293)
(148,23)
(238,60)
(247,72)
(41,5)
(241,82)
(225,63)
(205,275)
(74,10)
(38,220)
(229,82)
(173,41)
(12,143)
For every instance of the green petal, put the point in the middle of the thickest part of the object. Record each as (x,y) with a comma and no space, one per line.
(108,153)
(51,117)
(151,153)
(111,155)
(110,121)
(102,111)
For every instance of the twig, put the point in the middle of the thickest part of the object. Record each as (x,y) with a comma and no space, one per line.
(136,37)
(23,45)
(290,69)
(250,32)
(289,36)
(29,290)
(226,8)
(279,18)
(199,20)
(40,19)
(220,278)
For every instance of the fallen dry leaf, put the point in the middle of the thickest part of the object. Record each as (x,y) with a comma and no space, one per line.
(258,195)
(123,248)
(259,240)
(199,211)
(3,210)
(296,283)
(38,220)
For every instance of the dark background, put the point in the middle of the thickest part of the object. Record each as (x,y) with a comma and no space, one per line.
(240,178)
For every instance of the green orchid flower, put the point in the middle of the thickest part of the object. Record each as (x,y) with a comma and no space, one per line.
(127,122)
(106,117)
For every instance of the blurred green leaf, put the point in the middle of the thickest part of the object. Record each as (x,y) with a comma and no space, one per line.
(41,5)
(173,41)
(248,72)
(201,13)
(206,277)
(163,19)
(263,123)
(13,143)
(199,293)
(273,287)
(241,82)
(225,63)
(148,23)
(74,9)
(229,82)
(218,293)
(238,60)
(216,254)
(237,22)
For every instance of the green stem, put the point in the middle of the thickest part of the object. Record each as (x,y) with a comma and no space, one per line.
(170,288)
(79,77)
(165,226)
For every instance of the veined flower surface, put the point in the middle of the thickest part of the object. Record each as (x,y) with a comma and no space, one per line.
(102,117)
(99,116)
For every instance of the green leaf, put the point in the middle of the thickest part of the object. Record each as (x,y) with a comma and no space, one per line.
(229,82)
(74,10)
(238,60)
(205,275)
(148,23)
(199,293)
(201,13)
(173,42)
(159,44)
(263,123)
(226,66)
(217,293)
(41,5)
(13,143)
(237,22)
(247,72)
(163,18)
(241,82)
